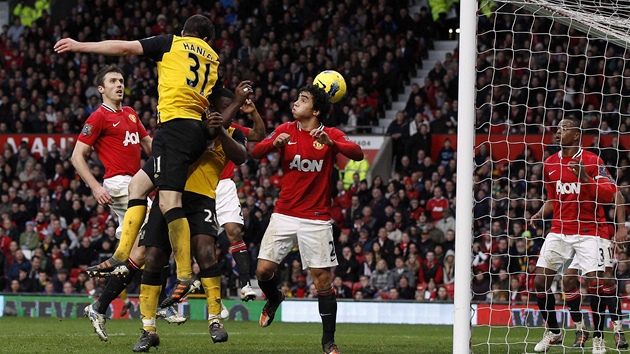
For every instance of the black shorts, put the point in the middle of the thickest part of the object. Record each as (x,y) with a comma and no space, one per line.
(177,144)
(200,212)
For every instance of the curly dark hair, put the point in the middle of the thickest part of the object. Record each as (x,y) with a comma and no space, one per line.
(321,100)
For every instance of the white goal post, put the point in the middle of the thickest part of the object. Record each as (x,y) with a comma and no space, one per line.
(541,60)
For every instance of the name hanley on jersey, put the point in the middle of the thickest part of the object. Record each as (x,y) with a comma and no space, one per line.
(198,50)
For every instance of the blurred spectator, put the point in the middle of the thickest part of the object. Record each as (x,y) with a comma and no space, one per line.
(400,270)
(480,286)
(379,279)
(29,239)
(442,295)
(348,268)
(359,167)
(343,291)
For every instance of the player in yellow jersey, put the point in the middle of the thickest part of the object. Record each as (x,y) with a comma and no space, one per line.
(187,72)
(199,207)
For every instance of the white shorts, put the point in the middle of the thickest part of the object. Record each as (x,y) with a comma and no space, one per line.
(586,252)
(605,247)
(313,237)
(227,204)
(117,187)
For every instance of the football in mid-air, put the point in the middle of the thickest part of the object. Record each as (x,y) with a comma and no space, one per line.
(333,83)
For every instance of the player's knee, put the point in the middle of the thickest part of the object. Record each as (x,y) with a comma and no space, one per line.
(539,283)
(233,232)
(263,273)
(155,259)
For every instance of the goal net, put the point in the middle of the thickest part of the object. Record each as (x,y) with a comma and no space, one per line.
(538,62)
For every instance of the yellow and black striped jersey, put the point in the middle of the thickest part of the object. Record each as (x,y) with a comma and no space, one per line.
(187,71)
(204,174)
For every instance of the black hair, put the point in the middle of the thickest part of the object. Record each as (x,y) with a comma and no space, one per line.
(577,122)
(321,100)
(199,26)
(100,76)
(217,94)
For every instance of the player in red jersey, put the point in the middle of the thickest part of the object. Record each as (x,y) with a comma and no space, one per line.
(117,135)
(228,208)
(607,288)
(577,186)
(301,215)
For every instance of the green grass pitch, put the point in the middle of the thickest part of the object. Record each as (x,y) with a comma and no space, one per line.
(54,335)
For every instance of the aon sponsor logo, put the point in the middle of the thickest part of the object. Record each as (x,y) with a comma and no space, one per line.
(131,138)
(306,165)
(567,188)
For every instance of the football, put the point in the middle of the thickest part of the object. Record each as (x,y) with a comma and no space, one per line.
(333,83)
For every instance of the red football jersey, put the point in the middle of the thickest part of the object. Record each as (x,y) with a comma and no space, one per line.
(578,207)
(115,136)
(228,170)
(436,207)
(307,166)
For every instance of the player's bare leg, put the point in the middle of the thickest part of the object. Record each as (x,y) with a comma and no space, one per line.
(239,251)
(268,284)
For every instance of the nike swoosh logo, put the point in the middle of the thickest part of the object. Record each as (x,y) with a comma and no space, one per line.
(115,124)
(552,172)
(292,142)
(323,84)
(325,314)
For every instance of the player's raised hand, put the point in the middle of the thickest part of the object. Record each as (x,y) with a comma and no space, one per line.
(65,45)
(243,90)
(281,140)
(102,196)
(579,170)
(321,137)
(248,107)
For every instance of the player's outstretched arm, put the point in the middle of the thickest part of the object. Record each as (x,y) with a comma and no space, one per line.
(81,150)
(258,132)
(108,47)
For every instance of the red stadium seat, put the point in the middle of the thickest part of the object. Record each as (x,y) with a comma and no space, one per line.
(74,272)
(348,284)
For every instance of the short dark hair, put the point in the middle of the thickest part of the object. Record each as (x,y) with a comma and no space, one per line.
(321,100)
(576,122)
(217,94)
(100,76)
(199,26)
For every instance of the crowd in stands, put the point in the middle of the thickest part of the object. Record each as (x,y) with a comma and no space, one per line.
(395,238)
